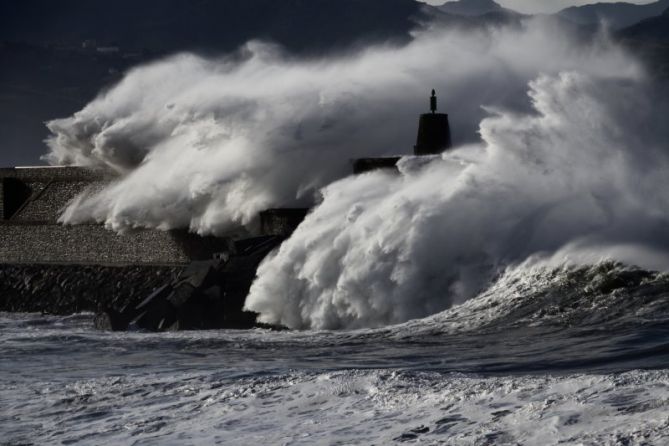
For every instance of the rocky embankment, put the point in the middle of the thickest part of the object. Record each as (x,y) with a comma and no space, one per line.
(206,294)
(68,289)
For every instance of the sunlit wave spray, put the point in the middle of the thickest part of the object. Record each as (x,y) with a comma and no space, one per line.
(574,169)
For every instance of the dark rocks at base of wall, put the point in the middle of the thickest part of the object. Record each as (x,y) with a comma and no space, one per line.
(199,299)
(190,302)
(68,289)
(206,295)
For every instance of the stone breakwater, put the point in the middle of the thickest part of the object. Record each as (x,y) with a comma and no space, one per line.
(68,289)
(145,279)
(206,294)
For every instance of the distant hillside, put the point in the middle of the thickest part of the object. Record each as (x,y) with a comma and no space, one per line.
(649,39)
(652,29)
(436,16)
(173,25)
(55,55)
(616,15)
(470,7)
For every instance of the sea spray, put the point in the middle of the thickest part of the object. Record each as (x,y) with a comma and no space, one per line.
(577,172)
(573,169)
(208,143)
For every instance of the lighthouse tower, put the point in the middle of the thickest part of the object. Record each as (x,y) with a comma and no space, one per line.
(434,132)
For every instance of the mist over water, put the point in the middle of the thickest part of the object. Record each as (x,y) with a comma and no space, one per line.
(575,181)
(572,171)
(207,143)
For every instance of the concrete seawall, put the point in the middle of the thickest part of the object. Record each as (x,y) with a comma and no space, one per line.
(148,279)
(93,244)
(68,289)
(51,268)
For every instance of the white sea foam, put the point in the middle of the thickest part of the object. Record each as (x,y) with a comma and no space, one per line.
(347,407)
(575,172)
(208,143)
(575,181)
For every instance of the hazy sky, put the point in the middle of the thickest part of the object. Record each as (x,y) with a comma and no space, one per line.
(535,6)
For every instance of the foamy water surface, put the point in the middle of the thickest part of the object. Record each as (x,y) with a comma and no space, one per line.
(541,358)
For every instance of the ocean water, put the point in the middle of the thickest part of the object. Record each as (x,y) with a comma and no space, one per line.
(569,356)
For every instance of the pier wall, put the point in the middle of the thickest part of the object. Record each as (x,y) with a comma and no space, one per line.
(92,244)
(69,289)
(31,201)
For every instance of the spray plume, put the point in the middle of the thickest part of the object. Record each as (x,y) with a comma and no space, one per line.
(576,181)
(571,170)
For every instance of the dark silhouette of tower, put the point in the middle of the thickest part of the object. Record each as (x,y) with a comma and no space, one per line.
(434,132)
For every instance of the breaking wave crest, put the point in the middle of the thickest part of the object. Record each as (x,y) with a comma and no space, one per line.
(608,297)
(581,179)
(573,173)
